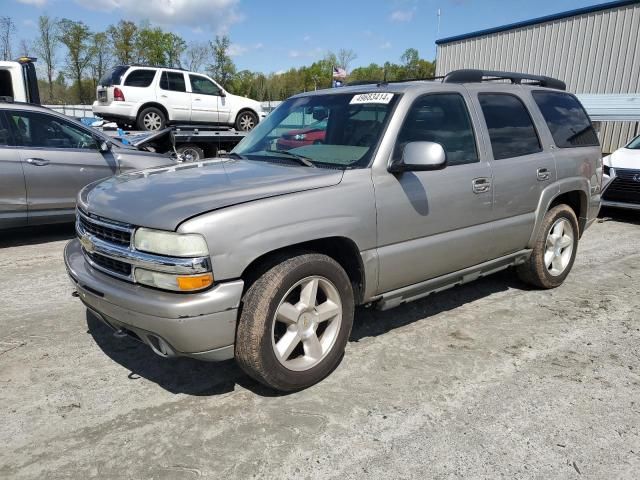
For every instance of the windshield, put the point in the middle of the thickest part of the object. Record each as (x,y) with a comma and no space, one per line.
(333,130)
(634,144)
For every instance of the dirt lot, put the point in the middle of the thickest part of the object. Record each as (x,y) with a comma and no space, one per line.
(486,380)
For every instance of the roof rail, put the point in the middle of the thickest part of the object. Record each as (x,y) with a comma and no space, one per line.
(386,82)
(477,76)
(153,66)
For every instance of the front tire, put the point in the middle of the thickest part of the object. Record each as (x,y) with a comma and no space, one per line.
(151,119)
(246,121)
(295,322)
(554,251)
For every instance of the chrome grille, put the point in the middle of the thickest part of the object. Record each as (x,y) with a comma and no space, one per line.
(109,232)
(110,264)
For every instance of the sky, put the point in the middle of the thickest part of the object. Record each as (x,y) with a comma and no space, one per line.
(275,35)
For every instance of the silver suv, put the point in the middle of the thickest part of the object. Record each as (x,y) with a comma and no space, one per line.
(397,190)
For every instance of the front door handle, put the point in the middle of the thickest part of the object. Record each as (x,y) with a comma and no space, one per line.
(481,185)
(38,162)
(543,174)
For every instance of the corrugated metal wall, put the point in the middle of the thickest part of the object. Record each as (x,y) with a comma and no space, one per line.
(598,52)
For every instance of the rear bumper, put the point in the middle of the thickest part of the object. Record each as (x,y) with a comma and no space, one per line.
(200,325)
(115,110)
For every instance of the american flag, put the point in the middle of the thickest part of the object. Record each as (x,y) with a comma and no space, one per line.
(339,73)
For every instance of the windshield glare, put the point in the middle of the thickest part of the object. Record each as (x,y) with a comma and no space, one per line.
(333,130)
(634,144)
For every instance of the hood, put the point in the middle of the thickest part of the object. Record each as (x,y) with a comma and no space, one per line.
(165,197)
(625,158)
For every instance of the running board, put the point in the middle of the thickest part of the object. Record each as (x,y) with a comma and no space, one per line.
(438,284)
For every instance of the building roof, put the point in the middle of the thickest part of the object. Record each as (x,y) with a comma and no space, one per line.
(611,107)
(535,21)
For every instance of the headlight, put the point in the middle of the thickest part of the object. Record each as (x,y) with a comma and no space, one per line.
(178,283)
(170,243)
(300,136)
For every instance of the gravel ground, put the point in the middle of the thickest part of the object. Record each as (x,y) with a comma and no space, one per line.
(486,380)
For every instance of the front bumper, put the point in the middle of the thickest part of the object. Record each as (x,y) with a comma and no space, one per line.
(199,325)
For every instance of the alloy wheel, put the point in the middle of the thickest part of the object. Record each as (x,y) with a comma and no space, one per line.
(559,247)
(152,121)
(306,323)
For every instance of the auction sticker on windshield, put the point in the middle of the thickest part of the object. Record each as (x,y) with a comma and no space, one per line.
(374,97)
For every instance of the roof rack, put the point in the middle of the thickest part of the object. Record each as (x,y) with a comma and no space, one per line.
(477,76)
(386,82)
(153,66)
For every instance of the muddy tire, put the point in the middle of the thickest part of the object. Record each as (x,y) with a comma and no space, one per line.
(295,322)
(554,251)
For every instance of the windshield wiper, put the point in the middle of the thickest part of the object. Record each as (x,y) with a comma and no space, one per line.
(300,158)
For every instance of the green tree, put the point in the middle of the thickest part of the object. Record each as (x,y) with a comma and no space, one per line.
(46,47)
(175,46)
(76,36)
(123,36)
(222,68)
(100,56)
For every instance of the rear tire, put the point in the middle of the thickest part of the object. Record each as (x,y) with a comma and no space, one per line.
(246,121)
(554,251)
(194,152)
(151,119)
(295,322)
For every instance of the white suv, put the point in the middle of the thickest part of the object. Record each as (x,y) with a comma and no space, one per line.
(149,98)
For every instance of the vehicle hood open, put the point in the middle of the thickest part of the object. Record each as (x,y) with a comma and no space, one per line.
(163,198)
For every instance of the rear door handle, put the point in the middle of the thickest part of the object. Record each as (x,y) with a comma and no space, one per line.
(481,185)
(38,162)
(543,174)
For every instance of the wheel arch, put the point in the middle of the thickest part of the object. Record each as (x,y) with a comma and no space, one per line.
(573,192)
(157,105)
(245,109)
(342,249)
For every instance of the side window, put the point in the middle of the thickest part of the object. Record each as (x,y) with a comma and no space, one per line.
(569,124)
(444,119)
(6,84)
(140,78)
(511,129)
(203,85)
(46,131)
(173,81)
(5,136)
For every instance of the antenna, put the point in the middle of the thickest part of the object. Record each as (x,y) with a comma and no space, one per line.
(438,29)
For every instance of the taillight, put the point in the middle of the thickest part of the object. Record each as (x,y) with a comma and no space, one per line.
(118,96)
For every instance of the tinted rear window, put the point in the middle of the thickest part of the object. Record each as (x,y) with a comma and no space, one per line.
(569,123)
(511,129)
(113,77)
(173,81)
(140,78)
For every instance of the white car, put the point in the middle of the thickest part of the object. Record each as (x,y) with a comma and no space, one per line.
(621,178)
(150,98)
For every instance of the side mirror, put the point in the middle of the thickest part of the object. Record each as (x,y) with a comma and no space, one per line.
(222,93)
(104,146)
(420,156)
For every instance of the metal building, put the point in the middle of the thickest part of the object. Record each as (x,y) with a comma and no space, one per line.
(595,50)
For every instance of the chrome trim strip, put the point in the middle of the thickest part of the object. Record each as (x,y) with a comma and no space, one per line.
(135,258)
(113,273)
(114,226)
